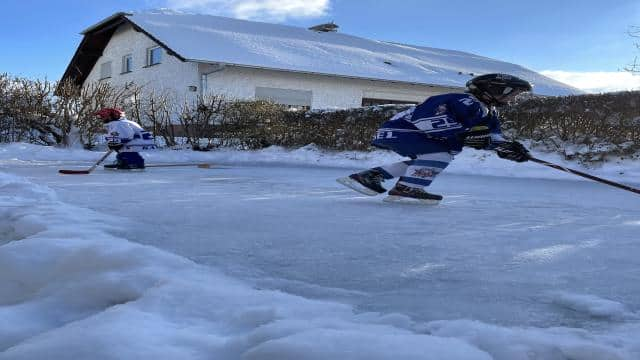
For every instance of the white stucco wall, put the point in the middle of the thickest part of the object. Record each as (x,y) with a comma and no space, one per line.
(171,74)
(328,91)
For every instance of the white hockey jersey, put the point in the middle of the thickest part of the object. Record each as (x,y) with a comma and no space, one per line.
(130,134)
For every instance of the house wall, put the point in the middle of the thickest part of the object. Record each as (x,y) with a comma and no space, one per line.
(171,74)
(327,91)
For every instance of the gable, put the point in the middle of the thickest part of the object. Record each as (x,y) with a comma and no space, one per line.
(94,42)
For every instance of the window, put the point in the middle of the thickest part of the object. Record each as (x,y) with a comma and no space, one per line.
(105,70)
(127,64)
(154,56)
(293,99)
(372,102)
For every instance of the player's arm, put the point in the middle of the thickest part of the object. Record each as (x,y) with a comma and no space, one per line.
(482,126)
(469,111)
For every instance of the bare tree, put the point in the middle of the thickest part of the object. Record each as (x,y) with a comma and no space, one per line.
(91,98)
(7,122)
(133,103)
(29,105)
(158,112)
(199,119)
(634,67)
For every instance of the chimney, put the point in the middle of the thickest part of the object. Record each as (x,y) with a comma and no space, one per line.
(328,27)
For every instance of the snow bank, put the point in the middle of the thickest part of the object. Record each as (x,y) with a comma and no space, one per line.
(469,162)
(74,289)
(533,343)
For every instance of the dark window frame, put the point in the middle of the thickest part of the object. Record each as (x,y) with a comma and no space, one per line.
(103,73)
(127,64)
(150,57)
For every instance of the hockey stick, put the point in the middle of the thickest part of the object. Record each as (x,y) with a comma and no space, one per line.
(88,171)
(591,177)
(201,166)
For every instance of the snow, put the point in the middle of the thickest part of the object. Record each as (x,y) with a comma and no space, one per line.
(593,305)
(72,290)
(269,258)
(280,47)
(469,162)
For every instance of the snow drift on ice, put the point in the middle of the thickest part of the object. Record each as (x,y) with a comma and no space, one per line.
(74,289)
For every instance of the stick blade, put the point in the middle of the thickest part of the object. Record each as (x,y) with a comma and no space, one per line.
(204,166)
(410,201)
(74,172)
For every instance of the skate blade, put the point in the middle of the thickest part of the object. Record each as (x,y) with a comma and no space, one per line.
(132,170)
(408,200)
(354,185)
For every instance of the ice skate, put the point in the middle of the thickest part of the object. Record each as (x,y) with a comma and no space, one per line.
(119,165)
(367,182)
(112,166)
(406,194)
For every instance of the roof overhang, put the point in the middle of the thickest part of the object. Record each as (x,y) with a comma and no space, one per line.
(452,87)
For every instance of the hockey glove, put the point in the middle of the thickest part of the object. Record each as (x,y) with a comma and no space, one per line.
(115,146)
(513,151)
(478,138)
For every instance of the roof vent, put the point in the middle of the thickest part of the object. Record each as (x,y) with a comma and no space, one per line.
(328,27)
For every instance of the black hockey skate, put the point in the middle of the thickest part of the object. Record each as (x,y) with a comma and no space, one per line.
(111,166)
(408,194)
(367,182)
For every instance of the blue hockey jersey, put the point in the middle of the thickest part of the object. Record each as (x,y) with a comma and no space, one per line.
(445,118)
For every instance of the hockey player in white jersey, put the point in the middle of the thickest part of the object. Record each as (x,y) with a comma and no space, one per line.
(431,133)
(125,137)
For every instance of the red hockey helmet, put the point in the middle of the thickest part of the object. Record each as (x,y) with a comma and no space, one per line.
(109,114)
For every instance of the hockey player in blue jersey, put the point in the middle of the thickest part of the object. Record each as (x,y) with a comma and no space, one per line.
(125,137)
(431,133)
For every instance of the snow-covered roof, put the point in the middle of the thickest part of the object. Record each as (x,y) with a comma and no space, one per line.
(207,38)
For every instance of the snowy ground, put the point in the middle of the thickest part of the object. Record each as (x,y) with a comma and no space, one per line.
(269,258)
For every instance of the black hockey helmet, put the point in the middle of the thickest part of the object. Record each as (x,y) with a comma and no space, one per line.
(497,89)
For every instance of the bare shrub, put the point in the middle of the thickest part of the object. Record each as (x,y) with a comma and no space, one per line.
(156,115)
(586,127)
(598,124)
(199,119)
(30,105)
(250,124)
(87,100)
(8,126)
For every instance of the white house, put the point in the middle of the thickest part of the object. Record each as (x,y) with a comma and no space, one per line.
(191,55)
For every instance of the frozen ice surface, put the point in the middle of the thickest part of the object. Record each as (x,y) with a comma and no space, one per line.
(273,259)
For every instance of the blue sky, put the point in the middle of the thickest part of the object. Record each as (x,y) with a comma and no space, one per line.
(582,40)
